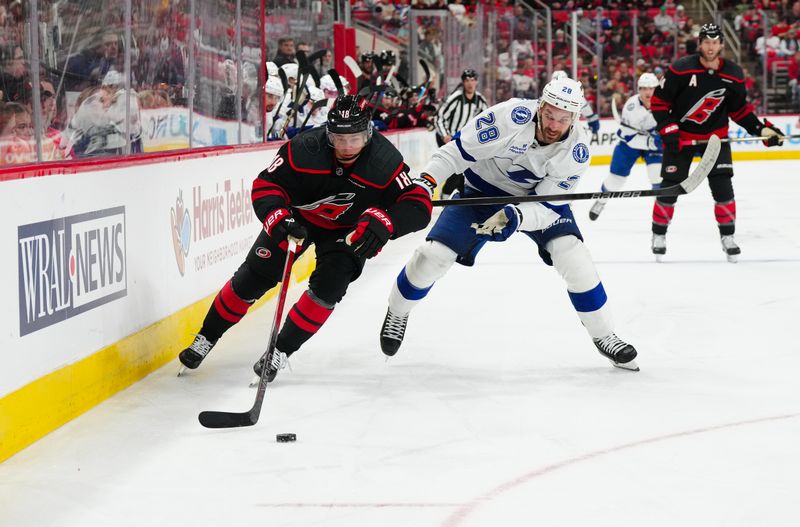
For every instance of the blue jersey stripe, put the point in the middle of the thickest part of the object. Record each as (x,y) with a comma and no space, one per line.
(464,154)
(408,290)
(479,184)
(590,300)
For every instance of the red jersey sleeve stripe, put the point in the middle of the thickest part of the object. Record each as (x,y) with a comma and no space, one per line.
(260,194)
(658,101)
(259,185)
(741,112)
(423,198)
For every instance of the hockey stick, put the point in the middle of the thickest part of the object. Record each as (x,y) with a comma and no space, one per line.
(302,74)
(353,66)
(285,85)
(314,106)
(215,419)
(700,173)
(337,81)
(317,55)
(614,110)
(425,85)
(695,142)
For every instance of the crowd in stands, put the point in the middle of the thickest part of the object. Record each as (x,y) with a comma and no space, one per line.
(88,105)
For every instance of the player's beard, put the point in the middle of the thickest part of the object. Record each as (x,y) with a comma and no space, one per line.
(710,55)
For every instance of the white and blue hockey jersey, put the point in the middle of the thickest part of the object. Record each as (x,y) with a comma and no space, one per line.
(637,127)
(498,154)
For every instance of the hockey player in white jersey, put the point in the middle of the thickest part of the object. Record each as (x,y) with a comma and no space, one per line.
(518,147)
(637,137)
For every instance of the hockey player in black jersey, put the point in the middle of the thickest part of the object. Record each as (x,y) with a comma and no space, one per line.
(340,187)
(697,96)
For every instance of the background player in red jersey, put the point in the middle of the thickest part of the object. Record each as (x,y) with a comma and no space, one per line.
(696,97)
(339,187)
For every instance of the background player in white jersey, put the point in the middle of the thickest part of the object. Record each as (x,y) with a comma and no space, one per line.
(518,147)
(638,137)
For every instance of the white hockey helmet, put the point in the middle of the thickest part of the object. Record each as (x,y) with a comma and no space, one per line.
(273,86)
(290,69)
(315,94)
(558,75)
(564,93)
(272,69)
(647,80)
(326,83)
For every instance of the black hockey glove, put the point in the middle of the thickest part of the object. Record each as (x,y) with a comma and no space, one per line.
(671,138)
(771,134)
(279,224)
(373,230)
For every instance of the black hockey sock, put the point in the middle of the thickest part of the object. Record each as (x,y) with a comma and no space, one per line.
(304,320)
(725,212)
(228,309)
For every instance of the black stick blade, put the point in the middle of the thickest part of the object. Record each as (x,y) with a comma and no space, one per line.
(212,419)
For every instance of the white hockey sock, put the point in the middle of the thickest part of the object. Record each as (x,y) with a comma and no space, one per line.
(654,174)
(574,263)
(430,262)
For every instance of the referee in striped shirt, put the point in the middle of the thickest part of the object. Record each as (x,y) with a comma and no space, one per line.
(461,106)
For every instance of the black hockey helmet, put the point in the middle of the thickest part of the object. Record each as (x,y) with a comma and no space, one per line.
(350,115)
(369,55)
(388,58)
(711,31)
(469,73)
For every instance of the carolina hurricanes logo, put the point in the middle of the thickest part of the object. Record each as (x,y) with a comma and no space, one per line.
(702,110)
(332,207)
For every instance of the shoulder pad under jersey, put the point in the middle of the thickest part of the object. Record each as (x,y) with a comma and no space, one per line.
(309,152)
(379,163)
(686,64)
(731,69)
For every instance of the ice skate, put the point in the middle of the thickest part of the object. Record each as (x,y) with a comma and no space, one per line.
(192,356)
(279,362)
(392,331)
(659,246)
(619,352)
(596,209)
(730,248)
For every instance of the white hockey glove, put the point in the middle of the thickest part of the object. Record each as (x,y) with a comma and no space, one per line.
(771,134)
(427,182)
(501,225)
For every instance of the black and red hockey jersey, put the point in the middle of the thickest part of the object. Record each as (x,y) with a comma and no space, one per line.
(305,178)
(700,100)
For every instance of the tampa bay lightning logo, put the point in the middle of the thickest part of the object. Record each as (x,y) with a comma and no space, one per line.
(580,153)
(520,115)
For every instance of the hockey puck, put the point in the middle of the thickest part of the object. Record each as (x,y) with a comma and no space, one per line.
(286,438)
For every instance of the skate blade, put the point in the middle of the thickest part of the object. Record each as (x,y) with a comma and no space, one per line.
(630,366)
(659,258)
(182,370)
(256,380)
(733,258)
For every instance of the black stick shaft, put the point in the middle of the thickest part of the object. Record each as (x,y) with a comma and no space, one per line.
(215,419)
